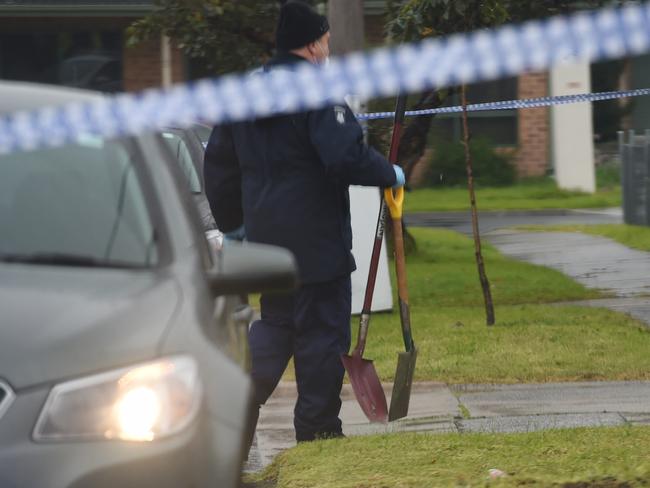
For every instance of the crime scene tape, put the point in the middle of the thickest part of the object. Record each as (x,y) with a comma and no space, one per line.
(515,104)
(461,58)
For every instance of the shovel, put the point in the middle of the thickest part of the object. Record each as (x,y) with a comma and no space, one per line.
(399,400)
(363,376)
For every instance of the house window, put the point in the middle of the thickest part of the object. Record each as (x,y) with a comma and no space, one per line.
(500,126)
(91,60)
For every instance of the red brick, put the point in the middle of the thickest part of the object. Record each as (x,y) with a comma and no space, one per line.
(532,156)
(142,66)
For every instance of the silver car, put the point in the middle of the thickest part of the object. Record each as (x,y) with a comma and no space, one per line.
(188,147)
(116,317)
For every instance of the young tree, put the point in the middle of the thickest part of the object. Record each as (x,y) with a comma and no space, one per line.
(424,18)
(413,20)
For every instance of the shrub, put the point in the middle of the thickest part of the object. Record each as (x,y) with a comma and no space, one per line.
(490,168)
(608,174)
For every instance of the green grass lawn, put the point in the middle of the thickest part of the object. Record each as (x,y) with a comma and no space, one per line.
(529,344)
(442,273)
(532,195)
(533,340)
(634,236)
(603,457)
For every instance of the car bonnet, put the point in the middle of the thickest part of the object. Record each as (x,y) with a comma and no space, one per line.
(58,323)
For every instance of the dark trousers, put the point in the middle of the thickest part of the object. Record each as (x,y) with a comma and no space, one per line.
(313,326)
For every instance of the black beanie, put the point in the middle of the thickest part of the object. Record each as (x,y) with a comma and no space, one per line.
(299,25)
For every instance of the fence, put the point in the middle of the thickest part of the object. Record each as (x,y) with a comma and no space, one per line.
(635,176)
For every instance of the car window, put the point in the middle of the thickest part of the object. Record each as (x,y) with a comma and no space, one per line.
(183,156)
(203,131)
(83,201)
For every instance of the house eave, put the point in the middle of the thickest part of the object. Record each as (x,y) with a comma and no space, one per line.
(13,10)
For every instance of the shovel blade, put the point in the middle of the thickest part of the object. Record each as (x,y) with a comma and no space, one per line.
(367,387)
(399,400)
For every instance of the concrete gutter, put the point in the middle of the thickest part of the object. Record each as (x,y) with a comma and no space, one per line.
(439,408)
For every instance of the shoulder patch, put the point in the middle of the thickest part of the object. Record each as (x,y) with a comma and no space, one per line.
(339,112)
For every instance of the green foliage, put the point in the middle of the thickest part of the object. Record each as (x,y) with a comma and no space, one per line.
(232,35)
(417,19)
(520,11)
(608,175)
(221,35)
(490,168)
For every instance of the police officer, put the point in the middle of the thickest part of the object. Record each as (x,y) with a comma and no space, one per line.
(285,181)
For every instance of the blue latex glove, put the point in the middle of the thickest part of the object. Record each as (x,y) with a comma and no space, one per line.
(400,178)
(238,234)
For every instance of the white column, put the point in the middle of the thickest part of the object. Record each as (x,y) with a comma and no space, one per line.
(364,208)
(572,130)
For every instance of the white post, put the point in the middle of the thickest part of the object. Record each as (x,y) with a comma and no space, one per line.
(364,209)
(572,130)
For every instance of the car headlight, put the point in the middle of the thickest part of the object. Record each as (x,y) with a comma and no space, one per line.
(140,403)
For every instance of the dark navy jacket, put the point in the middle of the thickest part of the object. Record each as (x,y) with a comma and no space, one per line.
(286,178)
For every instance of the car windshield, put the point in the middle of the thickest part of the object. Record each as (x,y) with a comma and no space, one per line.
(79,205)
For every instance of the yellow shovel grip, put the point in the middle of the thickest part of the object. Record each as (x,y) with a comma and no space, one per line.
(395,201)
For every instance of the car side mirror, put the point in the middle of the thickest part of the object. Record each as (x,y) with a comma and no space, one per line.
(253,268)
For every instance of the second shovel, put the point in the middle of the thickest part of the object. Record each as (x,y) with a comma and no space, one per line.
(363,376)
(400,398)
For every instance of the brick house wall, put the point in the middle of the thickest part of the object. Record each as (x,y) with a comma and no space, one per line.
(142,65)
(533,127)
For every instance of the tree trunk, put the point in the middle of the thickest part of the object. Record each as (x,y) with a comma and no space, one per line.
(485,284)
(346,26)
(414,139)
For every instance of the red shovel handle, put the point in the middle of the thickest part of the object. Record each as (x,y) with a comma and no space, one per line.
(400,109)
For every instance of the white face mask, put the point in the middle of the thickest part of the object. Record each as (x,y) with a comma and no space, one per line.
(326,60)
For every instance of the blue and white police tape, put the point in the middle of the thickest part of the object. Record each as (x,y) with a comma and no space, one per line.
(462,58)
(515,104)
